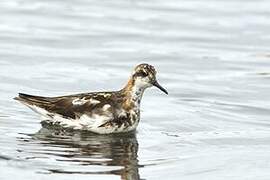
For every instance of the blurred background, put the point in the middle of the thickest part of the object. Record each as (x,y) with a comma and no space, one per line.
(211,55)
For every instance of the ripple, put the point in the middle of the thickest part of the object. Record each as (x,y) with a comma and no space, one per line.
(213,56)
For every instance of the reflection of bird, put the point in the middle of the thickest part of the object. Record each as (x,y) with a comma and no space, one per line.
(99,112)
(85,149)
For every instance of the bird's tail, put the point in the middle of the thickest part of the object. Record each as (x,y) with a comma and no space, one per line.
(38,104)
(30,99)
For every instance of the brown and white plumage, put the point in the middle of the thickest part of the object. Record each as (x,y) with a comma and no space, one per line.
(99,112)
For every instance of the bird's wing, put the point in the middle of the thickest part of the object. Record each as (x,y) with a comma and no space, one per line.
(72,106)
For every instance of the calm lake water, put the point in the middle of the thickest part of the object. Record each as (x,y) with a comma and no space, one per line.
(212,56)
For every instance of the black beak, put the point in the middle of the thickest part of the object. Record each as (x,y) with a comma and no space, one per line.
(160,87)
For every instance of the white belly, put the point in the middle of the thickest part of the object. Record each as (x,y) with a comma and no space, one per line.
(93,124)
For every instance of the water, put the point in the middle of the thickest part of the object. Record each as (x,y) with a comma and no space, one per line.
(212,56)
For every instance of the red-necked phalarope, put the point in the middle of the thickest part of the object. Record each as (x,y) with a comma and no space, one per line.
(99,112)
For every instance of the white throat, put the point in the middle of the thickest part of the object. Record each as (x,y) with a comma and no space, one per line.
(137,92)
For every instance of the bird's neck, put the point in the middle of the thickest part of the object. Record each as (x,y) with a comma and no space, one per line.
(133,93)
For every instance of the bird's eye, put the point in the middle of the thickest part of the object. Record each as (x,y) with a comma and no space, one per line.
(143,74)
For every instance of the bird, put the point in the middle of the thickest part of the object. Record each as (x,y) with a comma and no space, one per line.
(98,112)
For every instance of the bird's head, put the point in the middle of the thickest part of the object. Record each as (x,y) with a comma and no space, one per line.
(144,76)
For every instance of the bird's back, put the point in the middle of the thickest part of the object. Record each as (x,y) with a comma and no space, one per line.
(71,106)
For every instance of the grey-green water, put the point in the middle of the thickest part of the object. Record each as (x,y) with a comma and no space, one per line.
(212,56)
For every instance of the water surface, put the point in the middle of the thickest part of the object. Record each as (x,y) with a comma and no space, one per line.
(212,56)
